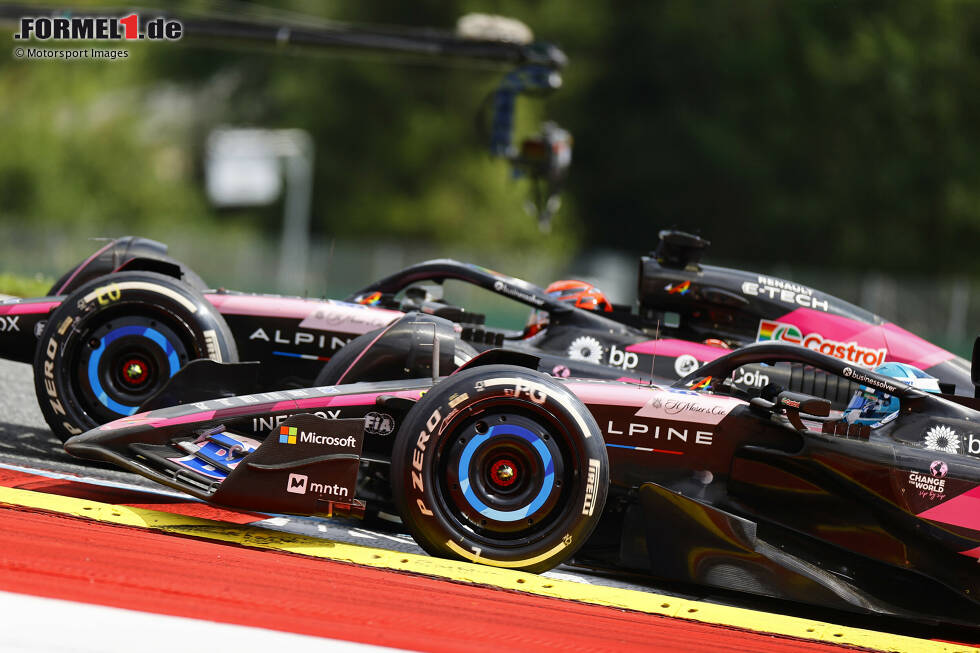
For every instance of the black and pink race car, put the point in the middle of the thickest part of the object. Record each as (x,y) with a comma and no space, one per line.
(500,464)
(131,328)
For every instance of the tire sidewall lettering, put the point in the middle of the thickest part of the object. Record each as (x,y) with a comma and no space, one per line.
(65,333)
(571,519)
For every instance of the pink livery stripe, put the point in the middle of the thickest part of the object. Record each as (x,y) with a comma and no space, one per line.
(962,511)
(674,348)
(28,307)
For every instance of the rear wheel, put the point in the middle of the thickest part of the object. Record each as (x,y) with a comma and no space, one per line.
(395,352)
(502,466)
(116,341)
(334,369)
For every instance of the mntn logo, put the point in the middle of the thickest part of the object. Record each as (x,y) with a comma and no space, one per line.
(297,483)
(287,435)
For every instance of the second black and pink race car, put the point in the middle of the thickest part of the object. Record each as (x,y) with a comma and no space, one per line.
(131,328)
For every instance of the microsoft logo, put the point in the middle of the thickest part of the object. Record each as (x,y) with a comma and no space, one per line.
(287,435)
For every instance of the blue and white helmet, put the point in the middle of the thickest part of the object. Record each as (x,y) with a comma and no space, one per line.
(875,407)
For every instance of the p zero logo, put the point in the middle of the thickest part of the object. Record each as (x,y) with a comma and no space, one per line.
(50,352)
(591,487)
(850,352)
(418,458)
(297,483)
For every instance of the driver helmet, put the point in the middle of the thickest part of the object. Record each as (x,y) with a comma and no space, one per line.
(580,293)
(875,407)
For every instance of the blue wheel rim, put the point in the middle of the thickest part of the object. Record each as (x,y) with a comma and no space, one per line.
(150,334)
(547,464)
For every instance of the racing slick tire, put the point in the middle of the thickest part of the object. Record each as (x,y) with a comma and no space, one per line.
(500,465)
(129,251)
(117,340)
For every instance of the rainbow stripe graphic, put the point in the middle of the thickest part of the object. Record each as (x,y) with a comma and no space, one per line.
(678,288)
(703,384)
(776,331)
(370,300)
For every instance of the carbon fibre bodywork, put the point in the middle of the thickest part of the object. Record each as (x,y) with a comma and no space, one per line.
(710,486)
(685,305)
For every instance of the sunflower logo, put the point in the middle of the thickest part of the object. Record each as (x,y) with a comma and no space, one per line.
(942,438)
(585,348)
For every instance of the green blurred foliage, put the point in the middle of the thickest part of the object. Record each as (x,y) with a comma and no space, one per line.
(811,132)
(23,286)
(398,155)
(75,148)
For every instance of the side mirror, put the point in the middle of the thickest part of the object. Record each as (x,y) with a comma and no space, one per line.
(792,404)
(801,403)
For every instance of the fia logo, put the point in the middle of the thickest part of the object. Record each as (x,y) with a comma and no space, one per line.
(379,423)
(297,483)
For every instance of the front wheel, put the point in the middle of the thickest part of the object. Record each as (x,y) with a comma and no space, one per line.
(500,465)
(117,340)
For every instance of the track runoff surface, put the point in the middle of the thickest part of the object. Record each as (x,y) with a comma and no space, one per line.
(81,533)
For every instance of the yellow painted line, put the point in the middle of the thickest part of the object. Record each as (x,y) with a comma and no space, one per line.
(252,536)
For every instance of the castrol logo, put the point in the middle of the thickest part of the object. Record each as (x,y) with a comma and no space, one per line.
(850,352)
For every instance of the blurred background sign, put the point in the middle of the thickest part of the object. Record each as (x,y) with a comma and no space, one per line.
(246,167)
(242,167)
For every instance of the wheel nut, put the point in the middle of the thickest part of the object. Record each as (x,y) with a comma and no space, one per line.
(503,473)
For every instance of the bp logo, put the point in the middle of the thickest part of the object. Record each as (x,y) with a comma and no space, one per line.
(779,332)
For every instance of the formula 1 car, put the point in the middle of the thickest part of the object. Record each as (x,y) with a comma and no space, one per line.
(502,465)
(130,327)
